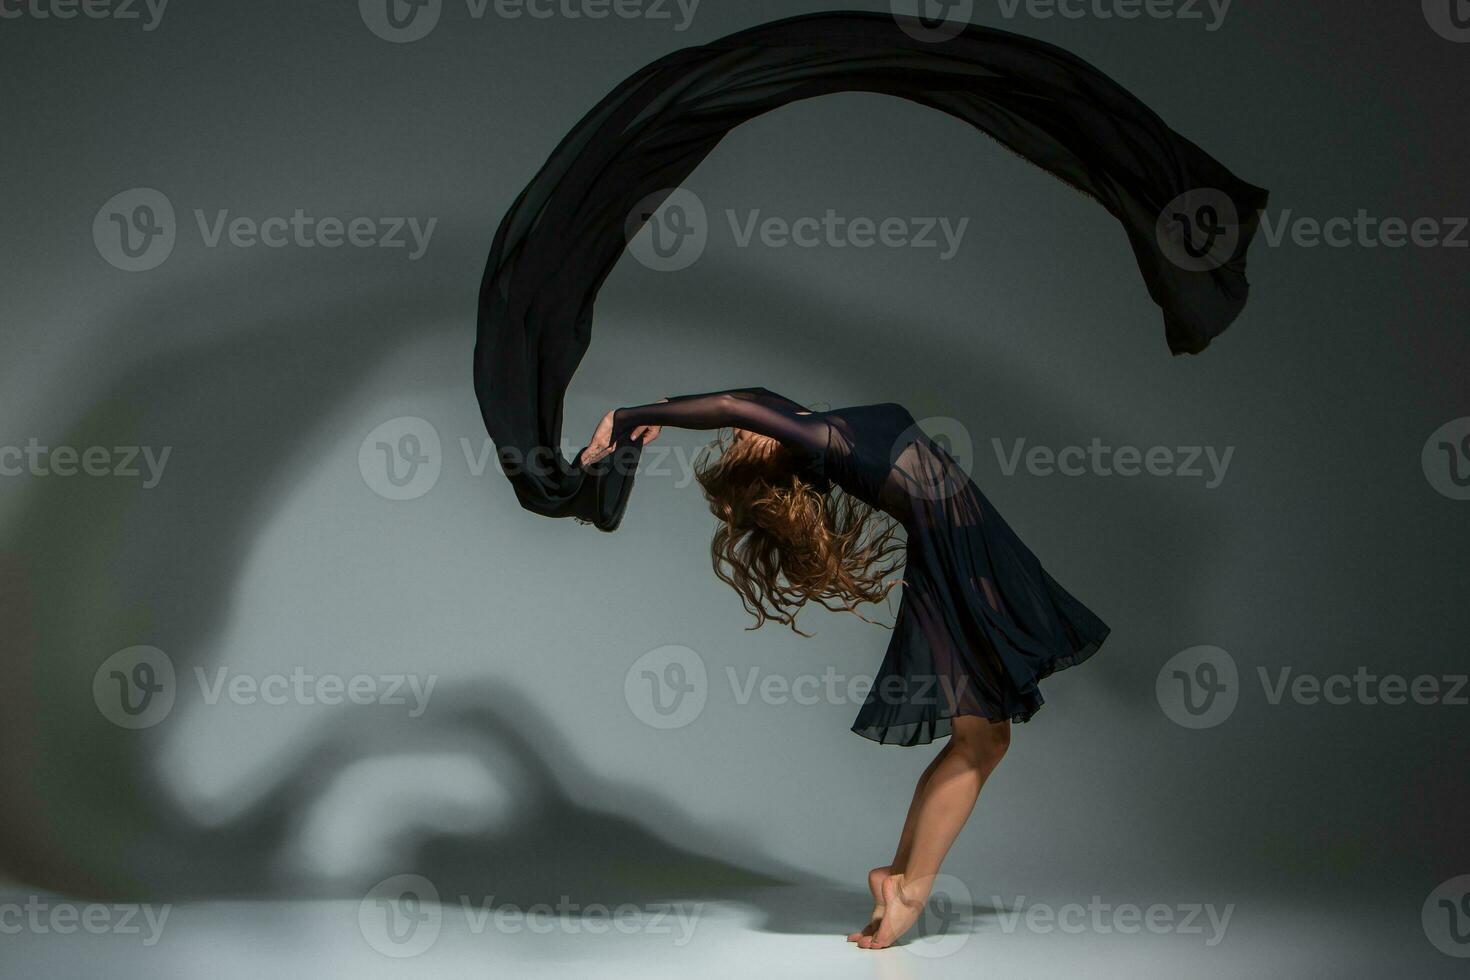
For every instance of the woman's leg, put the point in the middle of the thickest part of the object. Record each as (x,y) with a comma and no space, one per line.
(942,804)
(878,876)
(906,838)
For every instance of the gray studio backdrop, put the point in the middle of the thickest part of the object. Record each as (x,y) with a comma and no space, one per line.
(273,625)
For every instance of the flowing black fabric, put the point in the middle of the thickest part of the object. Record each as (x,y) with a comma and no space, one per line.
(566,230)
(981,621)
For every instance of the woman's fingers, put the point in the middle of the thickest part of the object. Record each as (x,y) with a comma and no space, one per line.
(601,443)
(593,453)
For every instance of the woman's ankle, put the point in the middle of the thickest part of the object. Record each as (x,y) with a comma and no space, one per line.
(915,890)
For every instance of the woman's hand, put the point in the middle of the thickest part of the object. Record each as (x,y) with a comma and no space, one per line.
(601,443)
(647,433)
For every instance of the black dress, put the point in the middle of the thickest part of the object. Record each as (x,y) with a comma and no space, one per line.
(980,621)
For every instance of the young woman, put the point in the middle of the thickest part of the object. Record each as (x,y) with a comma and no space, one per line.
(980,621)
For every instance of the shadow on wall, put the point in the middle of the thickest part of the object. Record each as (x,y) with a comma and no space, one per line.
(91,566)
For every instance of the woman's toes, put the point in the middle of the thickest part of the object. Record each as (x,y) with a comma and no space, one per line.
(868,929)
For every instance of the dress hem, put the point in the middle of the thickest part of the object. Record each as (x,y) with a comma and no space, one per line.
(932,729)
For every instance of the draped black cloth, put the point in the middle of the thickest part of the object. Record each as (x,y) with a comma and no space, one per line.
(1188,219)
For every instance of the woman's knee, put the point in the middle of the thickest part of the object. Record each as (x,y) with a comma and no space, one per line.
(980,741)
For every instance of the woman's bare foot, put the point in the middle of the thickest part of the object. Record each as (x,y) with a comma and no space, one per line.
(903,903)
(876,878)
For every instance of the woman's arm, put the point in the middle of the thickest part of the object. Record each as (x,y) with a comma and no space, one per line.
(754,409)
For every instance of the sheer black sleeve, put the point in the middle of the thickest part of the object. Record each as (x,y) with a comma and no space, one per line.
(754,409)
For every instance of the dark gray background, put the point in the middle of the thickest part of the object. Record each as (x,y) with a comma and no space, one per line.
(1325,549)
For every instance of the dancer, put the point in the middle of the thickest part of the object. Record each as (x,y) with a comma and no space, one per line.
(810,504)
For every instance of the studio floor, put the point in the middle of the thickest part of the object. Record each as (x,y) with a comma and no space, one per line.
(780,931)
